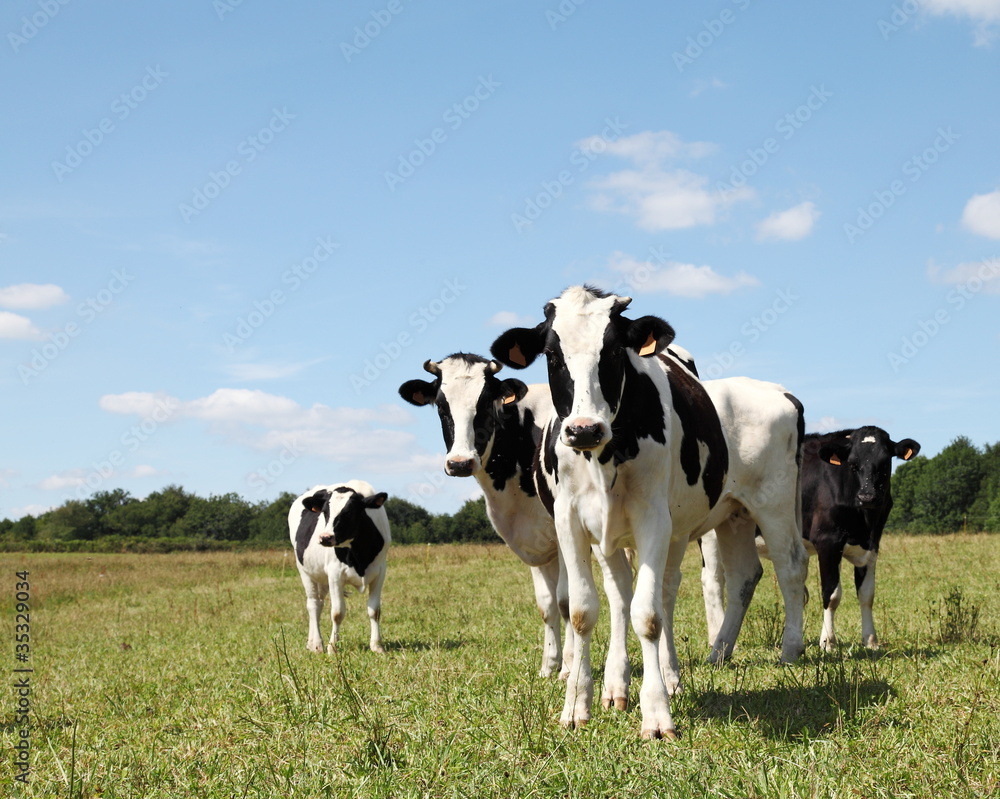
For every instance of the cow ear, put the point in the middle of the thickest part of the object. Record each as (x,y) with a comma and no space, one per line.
(907,449)
(376,500)
(316,502)
(649,335)
(519,346)
(419,392)
(835,454)
(512,390)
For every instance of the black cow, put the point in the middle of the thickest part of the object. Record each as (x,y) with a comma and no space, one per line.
(845,502)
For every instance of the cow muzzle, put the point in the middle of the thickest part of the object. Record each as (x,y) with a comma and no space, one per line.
(327,540)
(461,467)
(585,434)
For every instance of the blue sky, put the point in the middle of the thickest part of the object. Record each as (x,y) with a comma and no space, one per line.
(230,230)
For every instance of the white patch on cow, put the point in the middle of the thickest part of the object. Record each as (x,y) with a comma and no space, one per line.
(868,440)
(461,385)
(857,556)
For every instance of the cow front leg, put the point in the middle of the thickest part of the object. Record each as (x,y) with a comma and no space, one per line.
(670,667)
(742,570)
(583,610)
(562,599)
(315,593)
(618,587)
(829,578)
(864,581)
(546,582)
(375,611)
(338,609)
(652,542)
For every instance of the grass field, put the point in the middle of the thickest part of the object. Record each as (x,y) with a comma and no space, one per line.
(187,676)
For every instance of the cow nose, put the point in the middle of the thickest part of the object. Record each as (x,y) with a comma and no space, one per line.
(866,499)
(326,540)
(584,434)
(460,467)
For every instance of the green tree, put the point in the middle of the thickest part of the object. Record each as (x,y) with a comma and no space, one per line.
(409,523)
(270,521)
(151,517)
(947,487)
(471,522)
(905,487)
(71,521)
(224,517)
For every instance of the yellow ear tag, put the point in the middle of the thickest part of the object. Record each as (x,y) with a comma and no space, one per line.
(835,460)
(510,398)
(908,455)
(649,347)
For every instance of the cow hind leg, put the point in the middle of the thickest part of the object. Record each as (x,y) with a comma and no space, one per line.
(783,538)
(864,581)
(670,667)
(545,580)
(713,584)
(742,571)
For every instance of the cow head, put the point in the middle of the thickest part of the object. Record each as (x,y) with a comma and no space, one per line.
(587,343)
(866,456)
(471,402)
(335,518)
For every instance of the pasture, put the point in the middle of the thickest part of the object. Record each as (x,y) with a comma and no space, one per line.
(187,676)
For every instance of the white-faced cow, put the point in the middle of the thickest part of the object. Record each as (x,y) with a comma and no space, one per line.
(845,502)
(492,429)
(341,537)
(639,454)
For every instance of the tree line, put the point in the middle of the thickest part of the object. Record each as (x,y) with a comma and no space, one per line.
(956,490)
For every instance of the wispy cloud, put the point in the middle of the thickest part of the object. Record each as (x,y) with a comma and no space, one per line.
(14,325)
(976,275)
(676,278)
(984,12)
(659,194)
(509,319)
(790,225)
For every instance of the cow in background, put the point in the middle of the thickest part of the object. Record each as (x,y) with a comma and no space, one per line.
(492,429)
(341,536)
(845,503)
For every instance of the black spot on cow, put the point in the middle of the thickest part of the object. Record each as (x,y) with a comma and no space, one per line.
(312,507)
(800,426)
(640,415)
(356,539)
(699,422)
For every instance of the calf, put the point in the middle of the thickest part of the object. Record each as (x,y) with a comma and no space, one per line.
(341,536)
(845,502)
(638,453)
(492,429)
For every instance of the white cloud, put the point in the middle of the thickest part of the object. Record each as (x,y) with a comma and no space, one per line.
(982,214)
(14,325)
(676,278)
(144,470)
(660,197)
(790,225)
(30,510)
(984,12)
(976,276)
(73,478)
(267,422)
(509,319)
(254,372)
(32,295)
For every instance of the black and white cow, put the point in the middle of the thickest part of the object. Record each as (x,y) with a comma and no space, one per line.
(492,429)
(639,454)
(845,503)
(341,537)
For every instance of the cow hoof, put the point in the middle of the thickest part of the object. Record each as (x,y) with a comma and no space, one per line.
(573,724)
(617,702)
(379,649)
(331,649)
(564,675)
(872,642)
(669,734)
(828,644)
(315,648)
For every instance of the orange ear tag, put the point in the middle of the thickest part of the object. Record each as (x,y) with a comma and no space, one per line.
(835,460)
(516,356)
(649,347)
(510,398)
(908,455)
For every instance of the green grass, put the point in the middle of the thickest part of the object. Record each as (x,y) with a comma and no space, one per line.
(186,676)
